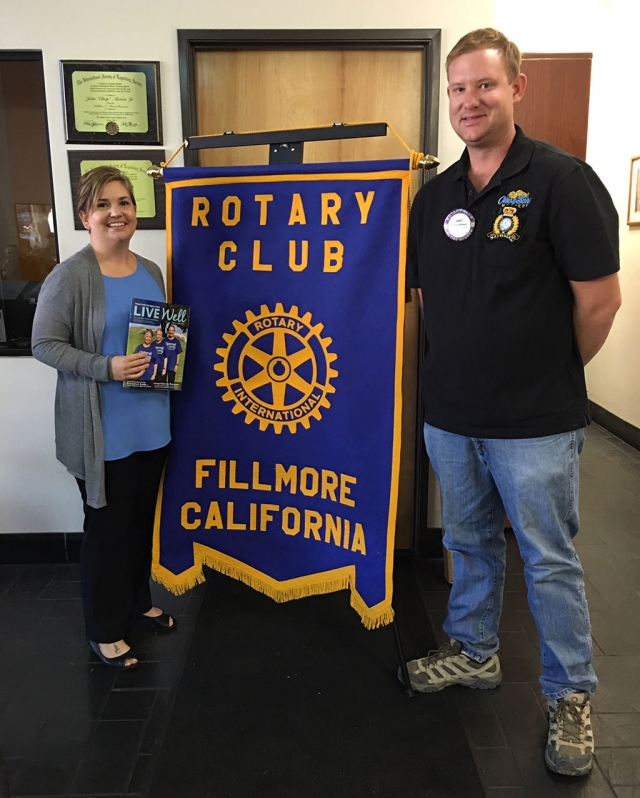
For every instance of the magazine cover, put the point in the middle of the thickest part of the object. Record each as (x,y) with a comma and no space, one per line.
(160,330)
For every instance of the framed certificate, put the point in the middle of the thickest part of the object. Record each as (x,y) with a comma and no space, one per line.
(112,102)
(149,193)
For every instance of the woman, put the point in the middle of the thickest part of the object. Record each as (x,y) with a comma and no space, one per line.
(112,439)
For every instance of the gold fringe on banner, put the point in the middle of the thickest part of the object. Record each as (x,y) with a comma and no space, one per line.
(280,592)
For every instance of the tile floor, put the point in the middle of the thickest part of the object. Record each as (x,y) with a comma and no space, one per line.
(69,726)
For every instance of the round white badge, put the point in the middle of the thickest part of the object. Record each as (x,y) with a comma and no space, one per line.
(459,224)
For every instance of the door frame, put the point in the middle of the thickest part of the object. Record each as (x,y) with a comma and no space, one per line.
(190,42)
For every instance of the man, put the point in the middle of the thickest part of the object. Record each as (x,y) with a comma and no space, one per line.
(173,350)
(161,358)
(514,251)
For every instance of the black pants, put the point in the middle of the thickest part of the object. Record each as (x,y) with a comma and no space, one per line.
(171,377)
(115,560)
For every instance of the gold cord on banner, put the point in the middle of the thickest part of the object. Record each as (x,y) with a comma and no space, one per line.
(418,160)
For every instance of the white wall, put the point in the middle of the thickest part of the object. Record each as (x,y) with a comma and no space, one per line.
(608,29)
(36,493)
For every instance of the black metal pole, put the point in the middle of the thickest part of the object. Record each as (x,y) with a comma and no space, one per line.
(404,671)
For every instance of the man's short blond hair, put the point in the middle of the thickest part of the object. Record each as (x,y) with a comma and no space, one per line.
(489,39)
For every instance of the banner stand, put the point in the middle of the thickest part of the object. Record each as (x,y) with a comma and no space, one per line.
(287,147)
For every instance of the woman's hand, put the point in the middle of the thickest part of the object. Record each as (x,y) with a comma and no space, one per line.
(129,367)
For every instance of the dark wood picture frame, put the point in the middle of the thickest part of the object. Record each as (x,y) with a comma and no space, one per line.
(111,133)
(157,222)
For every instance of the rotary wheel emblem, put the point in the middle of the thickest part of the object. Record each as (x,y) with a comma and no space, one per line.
(276,368)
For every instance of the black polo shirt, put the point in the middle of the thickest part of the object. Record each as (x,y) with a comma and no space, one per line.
(502,360)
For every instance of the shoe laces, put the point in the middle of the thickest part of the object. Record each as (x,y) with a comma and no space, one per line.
(569,717)
(445,650)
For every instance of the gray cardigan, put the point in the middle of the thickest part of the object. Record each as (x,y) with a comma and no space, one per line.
(67,334)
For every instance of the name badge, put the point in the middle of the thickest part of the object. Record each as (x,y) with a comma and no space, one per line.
(459,224)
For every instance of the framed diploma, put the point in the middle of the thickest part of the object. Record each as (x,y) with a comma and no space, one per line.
(112,102)
(149,193)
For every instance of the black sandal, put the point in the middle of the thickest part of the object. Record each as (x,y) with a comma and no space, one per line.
(119,663)
(159,623)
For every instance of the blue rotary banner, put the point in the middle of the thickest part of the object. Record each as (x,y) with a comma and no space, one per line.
(284,464)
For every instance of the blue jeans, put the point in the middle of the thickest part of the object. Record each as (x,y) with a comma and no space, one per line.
(536,481)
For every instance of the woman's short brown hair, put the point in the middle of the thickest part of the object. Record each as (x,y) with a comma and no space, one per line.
(91,184)
(489,39)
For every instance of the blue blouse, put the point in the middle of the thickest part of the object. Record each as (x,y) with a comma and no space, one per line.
(133,419)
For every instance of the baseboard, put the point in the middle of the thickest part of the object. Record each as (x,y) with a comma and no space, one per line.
(38,548)
(621,429)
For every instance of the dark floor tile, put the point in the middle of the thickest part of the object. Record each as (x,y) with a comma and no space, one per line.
(193,605)
(516,600)
(435,600)
(521,717)
(56,640)
(129,705)
(479,719)
(609,520)
(628,566)
(594,599)
(510,620)
(63,692)
(497,767)
(8,575)
(619,685)
(627,792)
(12,765)
(540,783)
(65,608)
(31,582)
(150,676)
(625,544)
(614,589)
(156,725)
(529,625)
(68,573)
(520,669)
(429,574)
(18,619)
(506,792)
(616,729)
(515,582)
(616,632)
(18,736)
(620,765)
(109,758)
(142,773)
(61,590)
(50,768)
(516,644)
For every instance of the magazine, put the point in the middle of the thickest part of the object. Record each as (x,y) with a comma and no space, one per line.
(160,330)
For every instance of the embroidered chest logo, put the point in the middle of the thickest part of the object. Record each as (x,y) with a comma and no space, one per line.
(507,222)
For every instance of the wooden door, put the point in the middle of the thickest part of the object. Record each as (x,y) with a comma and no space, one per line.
(249,90)
(555,106)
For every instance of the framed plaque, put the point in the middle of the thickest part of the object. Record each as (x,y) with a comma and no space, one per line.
(112,102)
(149,193)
